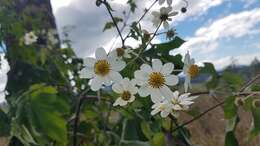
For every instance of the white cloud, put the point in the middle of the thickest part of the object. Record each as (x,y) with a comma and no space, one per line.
(206,39)
(221,63)
(89,20)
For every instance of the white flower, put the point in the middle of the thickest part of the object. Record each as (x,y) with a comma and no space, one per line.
(154,80)
(127,90)
(30,38)
(163,16)
(164,107)
(190,70)
(70,74)
(169,2)
(121,53)
(180,102)
(102,69)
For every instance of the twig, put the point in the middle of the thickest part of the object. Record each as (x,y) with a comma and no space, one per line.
(76,120)
(114,21)
(220,103)
(200,115)
(182,132)
(140,19)
(249,83)
(141,49)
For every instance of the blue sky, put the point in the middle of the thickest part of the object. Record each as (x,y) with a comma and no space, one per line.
(215,30)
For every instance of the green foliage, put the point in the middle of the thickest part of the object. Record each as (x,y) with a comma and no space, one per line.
(255,87)
(158,139)
(37,110)
(4,124)
(111,24)
(132,4)
(230,109)
(234,80)
(230,139)
(256,116)
(210,70)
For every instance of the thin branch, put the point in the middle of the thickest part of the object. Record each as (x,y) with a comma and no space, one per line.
(76,120)
(140,19)
(114,21)
(181,130)
(249,83)
(142,49)
(222,102)
(199,116)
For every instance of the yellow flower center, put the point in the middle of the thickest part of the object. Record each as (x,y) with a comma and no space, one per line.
(126,95)
(193,70)
(156,80)
(101,67)
(120,52)
(162,107)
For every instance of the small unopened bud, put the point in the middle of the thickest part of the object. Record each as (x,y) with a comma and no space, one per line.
(239,101)
(183,9)
(98,3)
(256,103)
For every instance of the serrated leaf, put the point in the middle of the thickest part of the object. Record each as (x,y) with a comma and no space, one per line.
(234,80)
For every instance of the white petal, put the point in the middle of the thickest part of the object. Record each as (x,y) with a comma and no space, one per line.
(169,2)
(132,99)
(122,102)
(115,76)
(166,92)
(167,68)
(143,91)
(156,14)
(156,95)
(96,84)
(155,111)
(141,75)
(117,65)
(161,2)
(146,68)
(186,83)
(86,73)
(157,65)
(117,88)
(125,83)
(89,62)
(164,114)
(173,14)
(107,81)
(171,80)
(101,54)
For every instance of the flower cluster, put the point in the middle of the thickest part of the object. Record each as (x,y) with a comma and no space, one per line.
(155,81)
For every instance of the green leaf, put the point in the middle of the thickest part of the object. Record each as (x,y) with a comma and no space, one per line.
(256,128)
(210,69)
(234,80)
(158,139)
(230,109)
(132,4)
(111,24)
(255,87)
(146,129)
(4,124)
(230,139)
(164,48)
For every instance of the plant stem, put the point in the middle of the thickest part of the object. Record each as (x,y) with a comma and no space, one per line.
(114,21)
(140,19)
(76,120)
